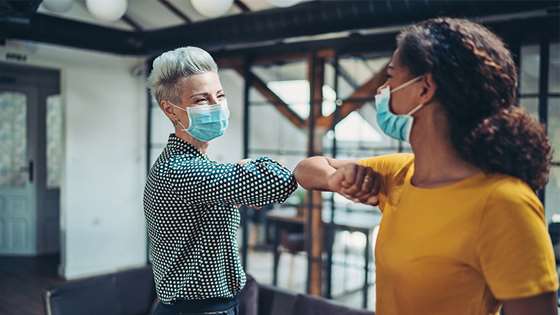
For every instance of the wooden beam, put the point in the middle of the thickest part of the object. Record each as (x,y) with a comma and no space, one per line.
(314,224)
(242,6)
(346,76)
(316,76)
(274,99)
(278,103)
(365,91)
(175,11)
(229,62)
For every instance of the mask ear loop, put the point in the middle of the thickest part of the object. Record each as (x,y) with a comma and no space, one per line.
(189,116)
(415,109)
(407,84)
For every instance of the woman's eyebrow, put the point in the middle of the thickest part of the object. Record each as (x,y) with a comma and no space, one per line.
(199,94)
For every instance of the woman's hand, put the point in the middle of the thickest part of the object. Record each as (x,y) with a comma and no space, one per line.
(313,173)
(357,183)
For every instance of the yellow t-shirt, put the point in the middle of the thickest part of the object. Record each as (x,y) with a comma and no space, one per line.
(459,248)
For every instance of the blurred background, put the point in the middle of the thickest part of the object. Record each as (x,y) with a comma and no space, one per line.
(79,130)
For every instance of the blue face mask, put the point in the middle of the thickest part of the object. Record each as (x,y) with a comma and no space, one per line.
(395,126)
(207,122)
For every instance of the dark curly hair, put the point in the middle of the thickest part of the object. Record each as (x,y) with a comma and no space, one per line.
(476,82)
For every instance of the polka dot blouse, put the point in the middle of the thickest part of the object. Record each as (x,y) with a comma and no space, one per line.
(190,207)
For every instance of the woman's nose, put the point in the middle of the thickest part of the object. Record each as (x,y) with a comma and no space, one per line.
(384,85)
(213,99)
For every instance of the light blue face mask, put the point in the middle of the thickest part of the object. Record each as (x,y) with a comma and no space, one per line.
(207,122)
(395,126)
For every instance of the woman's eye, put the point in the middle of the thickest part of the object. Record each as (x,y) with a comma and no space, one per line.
(222,96)
(200,100)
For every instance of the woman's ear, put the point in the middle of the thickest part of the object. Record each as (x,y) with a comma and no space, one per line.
(169,111)
(428,89)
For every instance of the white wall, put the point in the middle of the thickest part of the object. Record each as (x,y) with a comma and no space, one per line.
(102,219)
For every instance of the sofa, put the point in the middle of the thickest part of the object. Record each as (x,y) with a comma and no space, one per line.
(132,292)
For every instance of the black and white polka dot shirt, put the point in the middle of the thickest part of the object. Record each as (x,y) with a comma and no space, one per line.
(190,207)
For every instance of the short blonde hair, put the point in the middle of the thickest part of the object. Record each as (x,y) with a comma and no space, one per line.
(173,65)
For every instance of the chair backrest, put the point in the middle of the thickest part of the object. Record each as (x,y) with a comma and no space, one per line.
(129,292)
(249,297)
(136,290)
(310,305)
(91,296)
(275,301)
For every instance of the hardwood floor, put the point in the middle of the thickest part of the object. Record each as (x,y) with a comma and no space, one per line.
(23,281)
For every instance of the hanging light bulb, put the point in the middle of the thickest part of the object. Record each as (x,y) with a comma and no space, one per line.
(107,10)
(212,8)
(283,3)
(59,6)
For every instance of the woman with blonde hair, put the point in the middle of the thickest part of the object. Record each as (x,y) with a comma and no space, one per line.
(191,202)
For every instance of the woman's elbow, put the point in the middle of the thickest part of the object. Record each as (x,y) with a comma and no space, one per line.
(300,173)
(304,174)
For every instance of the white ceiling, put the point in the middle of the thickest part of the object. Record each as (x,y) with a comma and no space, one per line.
(151,14)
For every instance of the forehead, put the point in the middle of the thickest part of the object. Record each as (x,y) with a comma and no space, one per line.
(208,82)
(395,60)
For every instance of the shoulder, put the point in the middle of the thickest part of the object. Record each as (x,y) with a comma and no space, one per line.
(389,162)
(397,158)
(182,167)
(510,196)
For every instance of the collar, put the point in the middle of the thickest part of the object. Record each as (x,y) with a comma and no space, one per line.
(179,145)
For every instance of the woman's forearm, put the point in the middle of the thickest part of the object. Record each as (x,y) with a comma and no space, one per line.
(313,173)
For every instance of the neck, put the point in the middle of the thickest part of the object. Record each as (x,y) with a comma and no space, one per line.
(435,159)
(199,145)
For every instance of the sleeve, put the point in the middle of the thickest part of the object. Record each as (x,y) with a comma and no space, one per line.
(257,182)
(514,249)
(392,168)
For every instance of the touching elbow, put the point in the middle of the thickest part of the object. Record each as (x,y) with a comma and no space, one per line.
(298,172)
(301,174)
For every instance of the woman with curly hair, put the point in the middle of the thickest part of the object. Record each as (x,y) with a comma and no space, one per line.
(462,231)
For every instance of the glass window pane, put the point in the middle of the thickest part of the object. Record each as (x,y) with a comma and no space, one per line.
(54,141)
(357,70)
(531,104)
(288,82)
(554,69)
(354,128)
(359,136)
(530,69)
(13,139)
(552,194)
(554,125)
(295,93)
(278,133)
